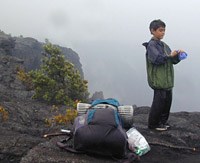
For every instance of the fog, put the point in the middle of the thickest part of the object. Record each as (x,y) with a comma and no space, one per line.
(108,36)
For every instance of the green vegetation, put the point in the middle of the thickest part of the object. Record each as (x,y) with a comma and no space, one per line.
(57,81)
(67,117)
(4,114)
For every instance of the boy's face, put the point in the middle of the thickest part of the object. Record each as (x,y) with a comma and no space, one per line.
(158,33)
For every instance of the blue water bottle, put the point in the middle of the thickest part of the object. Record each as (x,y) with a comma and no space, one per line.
(182,55)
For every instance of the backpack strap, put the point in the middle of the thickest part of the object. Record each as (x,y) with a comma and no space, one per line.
(63,145)
(129,158)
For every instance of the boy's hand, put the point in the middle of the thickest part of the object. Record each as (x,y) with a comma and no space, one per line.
(176,52)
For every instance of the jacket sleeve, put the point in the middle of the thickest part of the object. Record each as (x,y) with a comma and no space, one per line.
(155,55)
(175,60)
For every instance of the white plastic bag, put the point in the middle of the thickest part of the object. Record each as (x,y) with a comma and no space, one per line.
(137,142)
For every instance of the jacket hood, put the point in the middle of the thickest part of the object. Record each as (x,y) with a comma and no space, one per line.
(145,44)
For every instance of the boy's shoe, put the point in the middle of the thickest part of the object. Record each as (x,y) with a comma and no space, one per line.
(167,125)
(161,128)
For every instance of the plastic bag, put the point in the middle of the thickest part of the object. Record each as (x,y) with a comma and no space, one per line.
(137,142)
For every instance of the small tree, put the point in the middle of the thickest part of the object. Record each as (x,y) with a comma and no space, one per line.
(58,81)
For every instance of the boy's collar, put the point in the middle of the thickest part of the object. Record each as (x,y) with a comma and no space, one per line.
(154,38)
(157,40)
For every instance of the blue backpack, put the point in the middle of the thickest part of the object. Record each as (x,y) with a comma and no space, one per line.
(99,131)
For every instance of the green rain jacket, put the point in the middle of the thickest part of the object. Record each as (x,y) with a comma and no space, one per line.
(159,64)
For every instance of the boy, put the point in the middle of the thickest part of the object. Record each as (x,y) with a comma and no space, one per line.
(160,74)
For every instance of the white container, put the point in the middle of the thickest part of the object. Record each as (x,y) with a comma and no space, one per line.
(126,110)
(126,114)
(82,108)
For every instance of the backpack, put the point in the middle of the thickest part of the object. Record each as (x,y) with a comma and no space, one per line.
(99,131)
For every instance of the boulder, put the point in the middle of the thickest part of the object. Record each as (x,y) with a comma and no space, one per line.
(7,44)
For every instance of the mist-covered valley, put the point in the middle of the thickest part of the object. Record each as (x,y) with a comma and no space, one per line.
(119,70)
(108,37)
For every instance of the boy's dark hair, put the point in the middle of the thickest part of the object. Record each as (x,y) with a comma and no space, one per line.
(155,24)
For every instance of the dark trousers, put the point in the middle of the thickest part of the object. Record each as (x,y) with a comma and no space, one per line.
(160,108)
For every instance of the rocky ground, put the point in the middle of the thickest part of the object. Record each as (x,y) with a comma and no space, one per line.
(21,138)
(21,135)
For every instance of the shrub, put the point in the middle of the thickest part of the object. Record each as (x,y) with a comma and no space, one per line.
(68,117)
(4,114)
(57,81)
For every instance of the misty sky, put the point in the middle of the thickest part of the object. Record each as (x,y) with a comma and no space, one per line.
(108,36)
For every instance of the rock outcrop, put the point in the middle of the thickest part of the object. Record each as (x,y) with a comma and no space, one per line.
(30,51)
(10,87)
(7,44)
(97,95)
